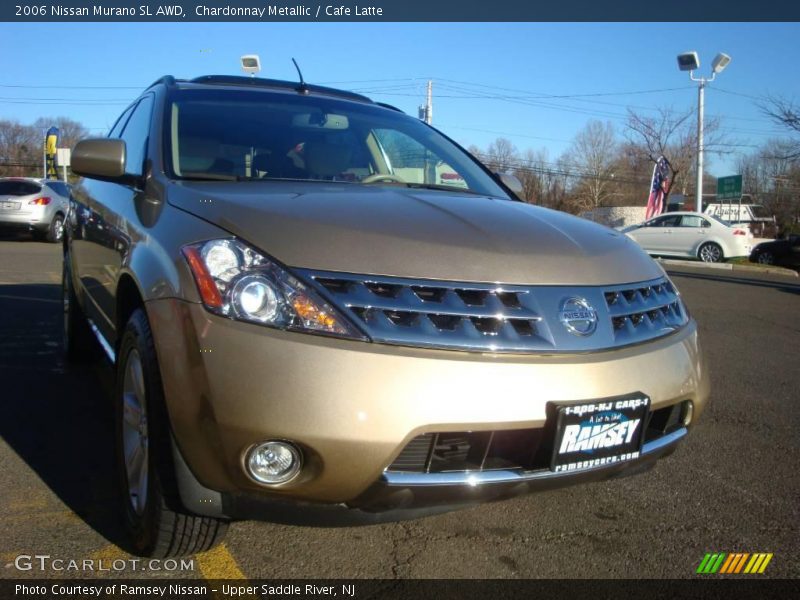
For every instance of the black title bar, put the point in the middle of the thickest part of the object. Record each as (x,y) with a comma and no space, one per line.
(400,11)
(365,589)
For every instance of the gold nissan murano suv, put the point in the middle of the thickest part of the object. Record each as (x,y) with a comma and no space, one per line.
(321,309)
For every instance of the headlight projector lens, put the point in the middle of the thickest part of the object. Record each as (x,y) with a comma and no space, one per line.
(254,297)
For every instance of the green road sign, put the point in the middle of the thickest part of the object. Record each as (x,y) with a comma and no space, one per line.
(729,188)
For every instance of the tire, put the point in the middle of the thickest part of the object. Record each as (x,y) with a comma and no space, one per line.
(765,258)
(710,252)
(158,525)
(55,233)
(79,343)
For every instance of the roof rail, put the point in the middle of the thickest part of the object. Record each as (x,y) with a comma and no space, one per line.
(277,84)
(167,80)
(390,107)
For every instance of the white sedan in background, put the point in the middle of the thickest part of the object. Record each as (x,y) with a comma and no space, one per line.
(691,235)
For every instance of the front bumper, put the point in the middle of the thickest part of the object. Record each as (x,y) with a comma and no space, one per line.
(400,498)
(411,490)
(353,406)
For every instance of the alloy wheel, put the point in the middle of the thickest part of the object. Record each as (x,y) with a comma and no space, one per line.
(766,258)
(58,229)
(710,253)
(135,443)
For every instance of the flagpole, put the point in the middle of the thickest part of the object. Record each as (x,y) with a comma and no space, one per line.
(648,210)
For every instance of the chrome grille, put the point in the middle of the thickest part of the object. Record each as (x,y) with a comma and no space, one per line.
(498,317)
(645,311)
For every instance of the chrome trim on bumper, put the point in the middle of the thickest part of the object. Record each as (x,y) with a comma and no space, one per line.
(476,478)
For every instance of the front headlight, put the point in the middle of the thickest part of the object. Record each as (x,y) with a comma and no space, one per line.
(236,281)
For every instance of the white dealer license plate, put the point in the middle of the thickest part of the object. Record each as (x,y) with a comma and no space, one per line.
(9,205)
(599,432)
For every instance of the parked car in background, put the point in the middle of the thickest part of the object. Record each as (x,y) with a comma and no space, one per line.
(691,235)
(784,252)
(36,205)
(755,217)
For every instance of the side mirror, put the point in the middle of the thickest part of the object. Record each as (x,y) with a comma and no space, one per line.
(100,158)
(511,182)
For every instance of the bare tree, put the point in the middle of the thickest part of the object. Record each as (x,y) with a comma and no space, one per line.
(20,149)
(632,173)
(70,131)
(674,136)
(772,177)
(21,146)
(787,113)
(592,154)
(475,151)
(531,170)
(501,156)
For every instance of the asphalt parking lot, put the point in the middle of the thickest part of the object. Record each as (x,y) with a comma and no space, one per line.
(733,486)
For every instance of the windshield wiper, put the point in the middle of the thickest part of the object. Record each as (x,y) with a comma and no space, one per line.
(202,176)
(444,188)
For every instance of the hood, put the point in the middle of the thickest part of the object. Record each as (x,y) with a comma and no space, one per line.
(413,233)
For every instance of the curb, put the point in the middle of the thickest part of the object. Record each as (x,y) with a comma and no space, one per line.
(697,264)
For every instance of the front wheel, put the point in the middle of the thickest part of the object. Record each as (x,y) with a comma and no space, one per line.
(766,258)
(158,524)
(710,253)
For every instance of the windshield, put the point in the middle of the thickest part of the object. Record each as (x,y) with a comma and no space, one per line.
(248,135)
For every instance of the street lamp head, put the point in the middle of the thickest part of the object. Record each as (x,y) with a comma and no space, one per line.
(720,62)
(689,61)
(250,64)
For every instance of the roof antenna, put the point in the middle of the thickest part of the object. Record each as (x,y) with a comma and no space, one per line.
(302,88)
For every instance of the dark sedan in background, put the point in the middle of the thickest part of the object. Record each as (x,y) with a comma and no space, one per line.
(784,252)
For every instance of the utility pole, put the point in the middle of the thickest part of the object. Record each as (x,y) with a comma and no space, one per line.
(429,104)
(426,110)
(700,108)
(426,114)
(44,153)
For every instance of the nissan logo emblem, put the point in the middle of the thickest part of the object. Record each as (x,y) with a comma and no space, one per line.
(578,316)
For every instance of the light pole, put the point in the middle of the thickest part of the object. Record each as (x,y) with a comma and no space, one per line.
(689,61)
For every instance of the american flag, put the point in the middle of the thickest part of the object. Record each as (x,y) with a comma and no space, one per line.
(659,188)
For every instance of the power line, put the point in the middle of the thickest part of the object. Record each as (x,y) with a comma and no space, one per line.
(732,93)
(553,96)
(535,137)
(471,93)
(559,169)
(410,83)
(74,87)
(66,103)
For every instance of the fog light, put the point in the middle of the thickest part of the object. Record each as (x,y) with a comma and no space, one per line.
(688,412)
(273,462)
